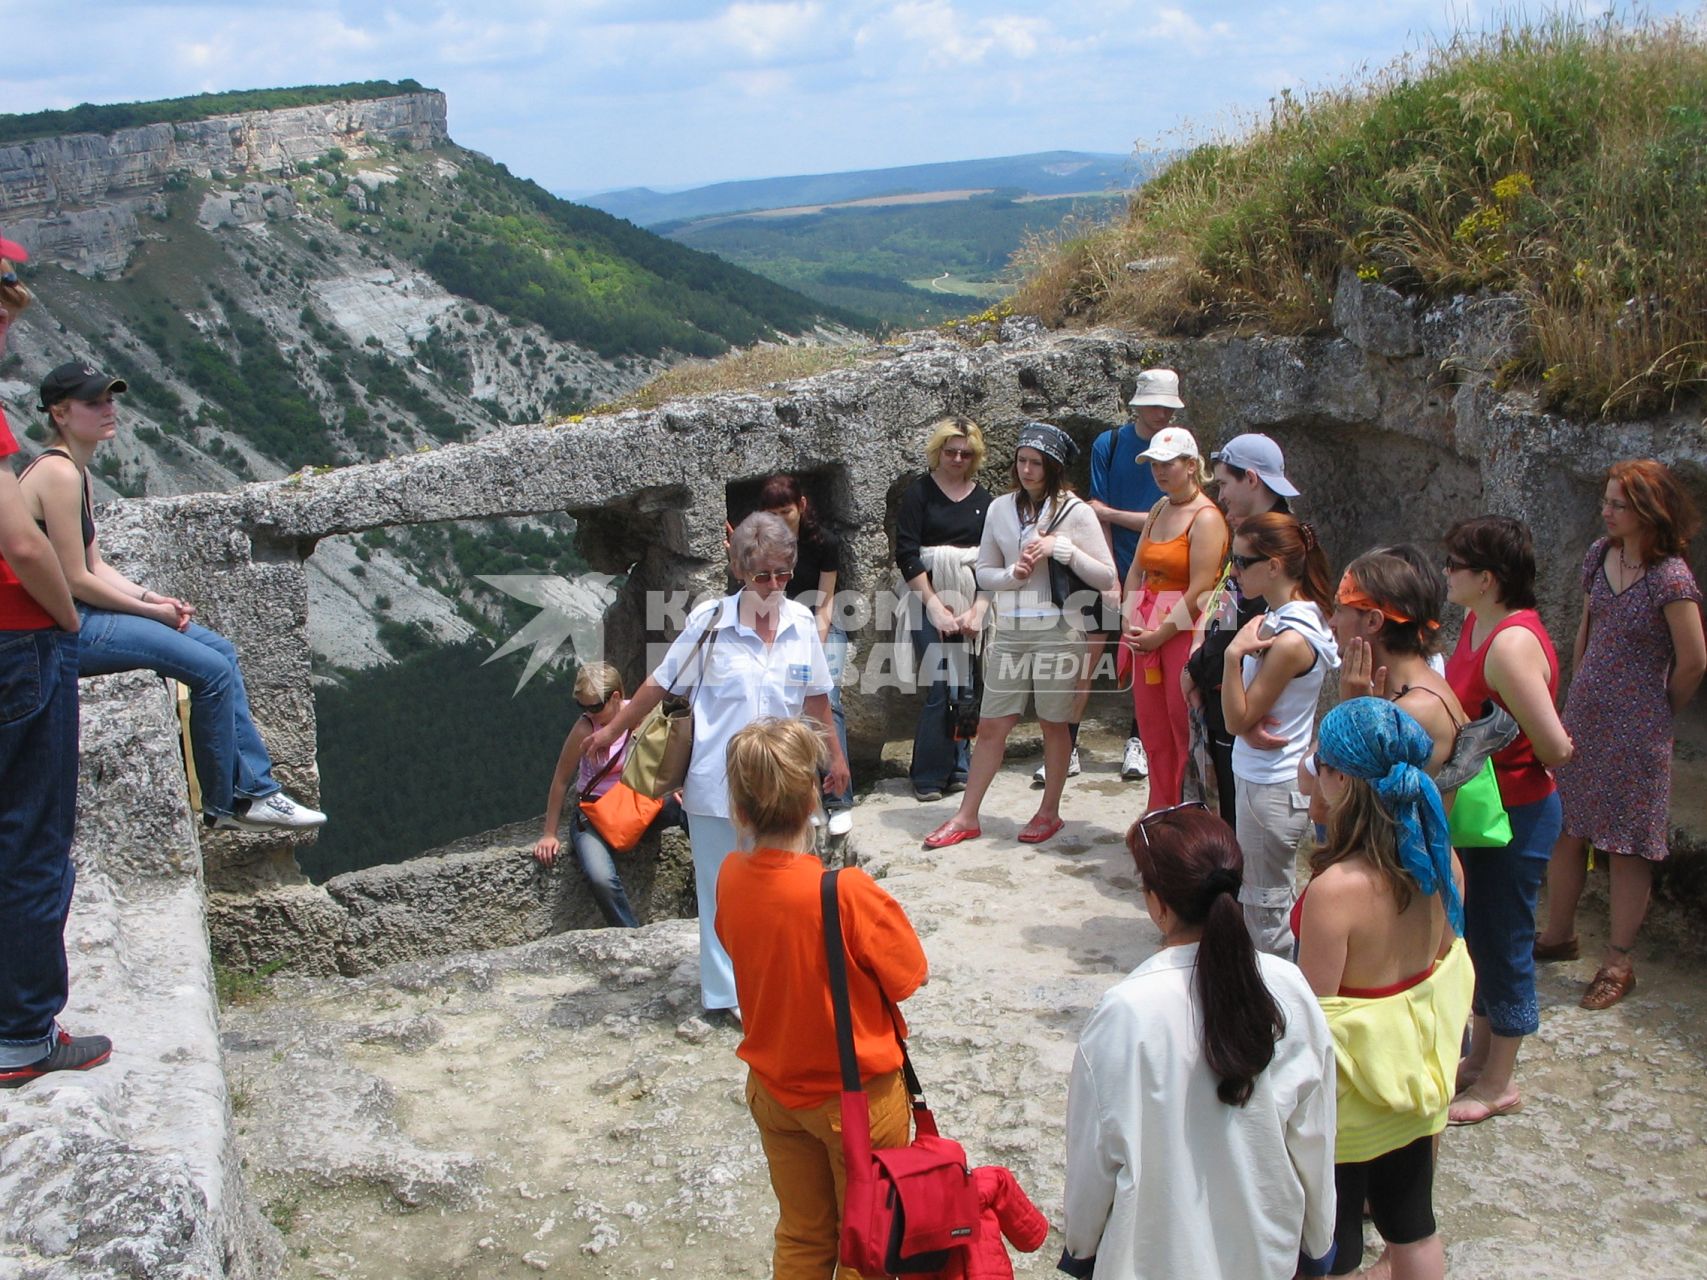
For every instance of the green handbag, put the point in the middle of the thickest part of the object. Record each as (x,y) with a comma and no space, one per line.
(1478,820)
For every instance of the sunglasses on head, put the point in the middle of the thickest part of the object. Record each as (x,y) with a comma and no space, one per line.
(1148,818)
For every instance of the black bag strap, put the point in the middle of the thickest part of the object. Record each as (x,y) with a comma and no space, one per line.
(1060,515)
(835,956)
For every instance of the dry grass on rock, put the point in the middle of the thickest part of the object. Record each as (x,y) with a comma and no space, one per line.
(1564,160)
(757,368)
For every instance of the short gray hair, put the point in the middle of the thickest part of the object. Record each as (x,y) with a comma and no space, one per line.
(761,536)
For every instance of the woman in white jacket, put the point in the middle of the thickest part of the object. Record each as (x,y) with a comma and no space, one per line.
(1038,644)
(1200,1117)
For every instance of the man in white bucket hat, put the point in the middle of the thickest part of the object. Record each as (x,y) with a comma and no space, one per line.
(1122,493)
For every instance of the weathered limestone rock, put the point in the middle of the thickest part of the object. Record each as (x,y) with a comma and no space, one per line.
(129,1169)
(483,892)
(78,199)
(1374,318)
(254,202)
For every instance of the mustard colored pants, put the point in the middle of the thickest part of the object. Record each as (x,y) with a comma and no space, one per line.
(804,1148)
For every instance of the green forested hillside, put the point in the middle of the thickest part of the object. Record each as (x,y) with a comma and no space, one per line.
(902,264)
(430,749)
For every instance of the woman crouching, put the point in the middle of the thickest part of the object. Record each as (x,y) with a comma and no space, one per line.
(770,920)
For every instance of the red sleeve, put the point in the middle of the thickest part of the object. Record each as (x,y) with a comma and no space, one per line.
(1022,1221)
(882,941)
(8,445)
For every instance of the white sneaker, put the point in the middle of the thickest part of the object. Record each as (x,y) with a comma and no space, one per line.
(841,822)
(1037,778)
(278,810)
(1135,764)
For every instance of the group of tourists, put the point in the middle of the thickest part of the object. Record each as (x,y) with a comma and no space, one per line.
(1286,1059)
(1295,1054)
(64,613)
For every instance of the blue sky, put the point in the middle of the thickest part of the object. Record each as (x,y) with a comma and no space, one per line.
(585,95)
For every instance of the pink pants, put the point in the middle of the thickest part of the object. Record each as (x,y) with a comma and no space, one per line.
(1164,725)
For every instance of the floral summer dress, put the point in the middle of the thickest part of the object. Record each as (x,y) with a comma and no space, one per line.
(1617,712)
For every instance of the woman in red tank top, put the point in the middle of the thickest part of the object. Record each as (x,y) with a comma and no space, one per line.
(1504,655)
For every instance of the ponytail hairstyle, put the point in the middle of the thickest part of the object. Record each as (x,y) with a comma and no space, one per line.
(785,491)
(1275,535)
(773,777)
(1189,859)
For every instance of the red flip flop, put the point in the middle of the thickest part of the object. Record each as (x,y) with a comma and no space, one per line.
(946,835)
(1040,829)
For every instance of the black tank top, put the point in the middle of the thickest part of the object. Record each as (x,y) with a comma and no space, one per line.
(88,505)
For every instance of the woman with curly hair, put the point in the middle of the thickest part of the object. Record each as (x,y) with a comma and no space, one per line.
(1638,659)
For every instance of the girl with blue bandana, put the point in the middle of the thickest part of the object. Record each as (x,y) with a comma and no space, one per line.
(1379,943)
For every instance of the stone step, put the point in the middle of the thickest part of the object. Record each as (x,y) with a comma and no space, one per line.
(130,1169)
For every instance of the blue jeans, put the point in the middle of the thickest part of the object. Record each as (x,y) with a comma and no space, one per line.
(836,658)
(1500,891)
(597,863)
(937,758)
(231,760)
(38,761)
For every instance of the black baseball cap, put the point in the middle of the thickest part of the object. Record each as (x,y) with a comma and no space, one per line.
(77,381)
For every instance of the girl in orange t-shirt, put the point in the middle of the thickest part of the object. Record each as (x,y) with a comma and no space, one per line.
(770,921)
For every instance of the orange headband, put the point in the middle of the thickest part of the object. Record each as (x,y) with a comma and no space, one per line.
(1356,598)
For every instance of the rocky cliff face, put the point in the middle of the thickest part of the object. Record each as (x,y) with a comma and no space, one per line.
(76,199)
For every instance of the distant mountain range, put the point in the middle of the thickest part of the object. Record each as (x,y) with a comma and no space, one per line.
(1043,173)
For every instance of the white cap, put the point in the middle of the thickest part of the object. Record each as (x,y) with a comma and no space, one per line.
(1170,443)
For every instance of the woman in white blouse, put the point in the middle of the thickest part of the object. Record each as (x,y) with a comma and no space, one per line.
(755,653)
(1200,1117)
(1039,645)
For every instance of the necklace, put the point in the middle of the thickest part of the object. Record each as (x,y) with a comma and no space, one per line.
(1628,572)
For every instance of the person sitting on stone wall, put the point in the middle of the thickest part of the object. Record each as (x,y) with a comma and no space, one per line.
(600,696)
(127,627)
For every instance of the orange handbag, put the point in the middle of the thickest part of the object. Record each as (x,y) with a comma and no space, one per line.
(622,815)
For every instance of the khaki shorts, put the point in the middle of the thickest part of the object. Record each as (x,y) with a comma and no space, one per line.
(1032,658)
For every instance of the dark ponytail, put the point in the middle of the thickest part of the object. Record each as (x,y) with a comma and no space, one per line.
(1275,535)
(1189,859)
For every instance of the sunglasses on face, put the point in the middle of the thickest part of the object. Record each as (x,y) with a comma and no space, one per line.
(1241,563)
(1454,566)
(767,576)
(591,707)
(9,278)
(956,454)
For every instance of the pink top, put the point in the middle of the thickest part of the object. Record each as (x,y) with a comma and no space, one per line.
(593,761)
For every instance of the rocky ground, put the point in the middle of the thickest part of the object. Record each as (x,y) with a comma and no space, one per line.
(560,1107)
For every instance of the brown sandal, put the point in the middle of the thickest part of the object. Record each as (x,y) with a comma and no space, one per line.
(1608,988)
